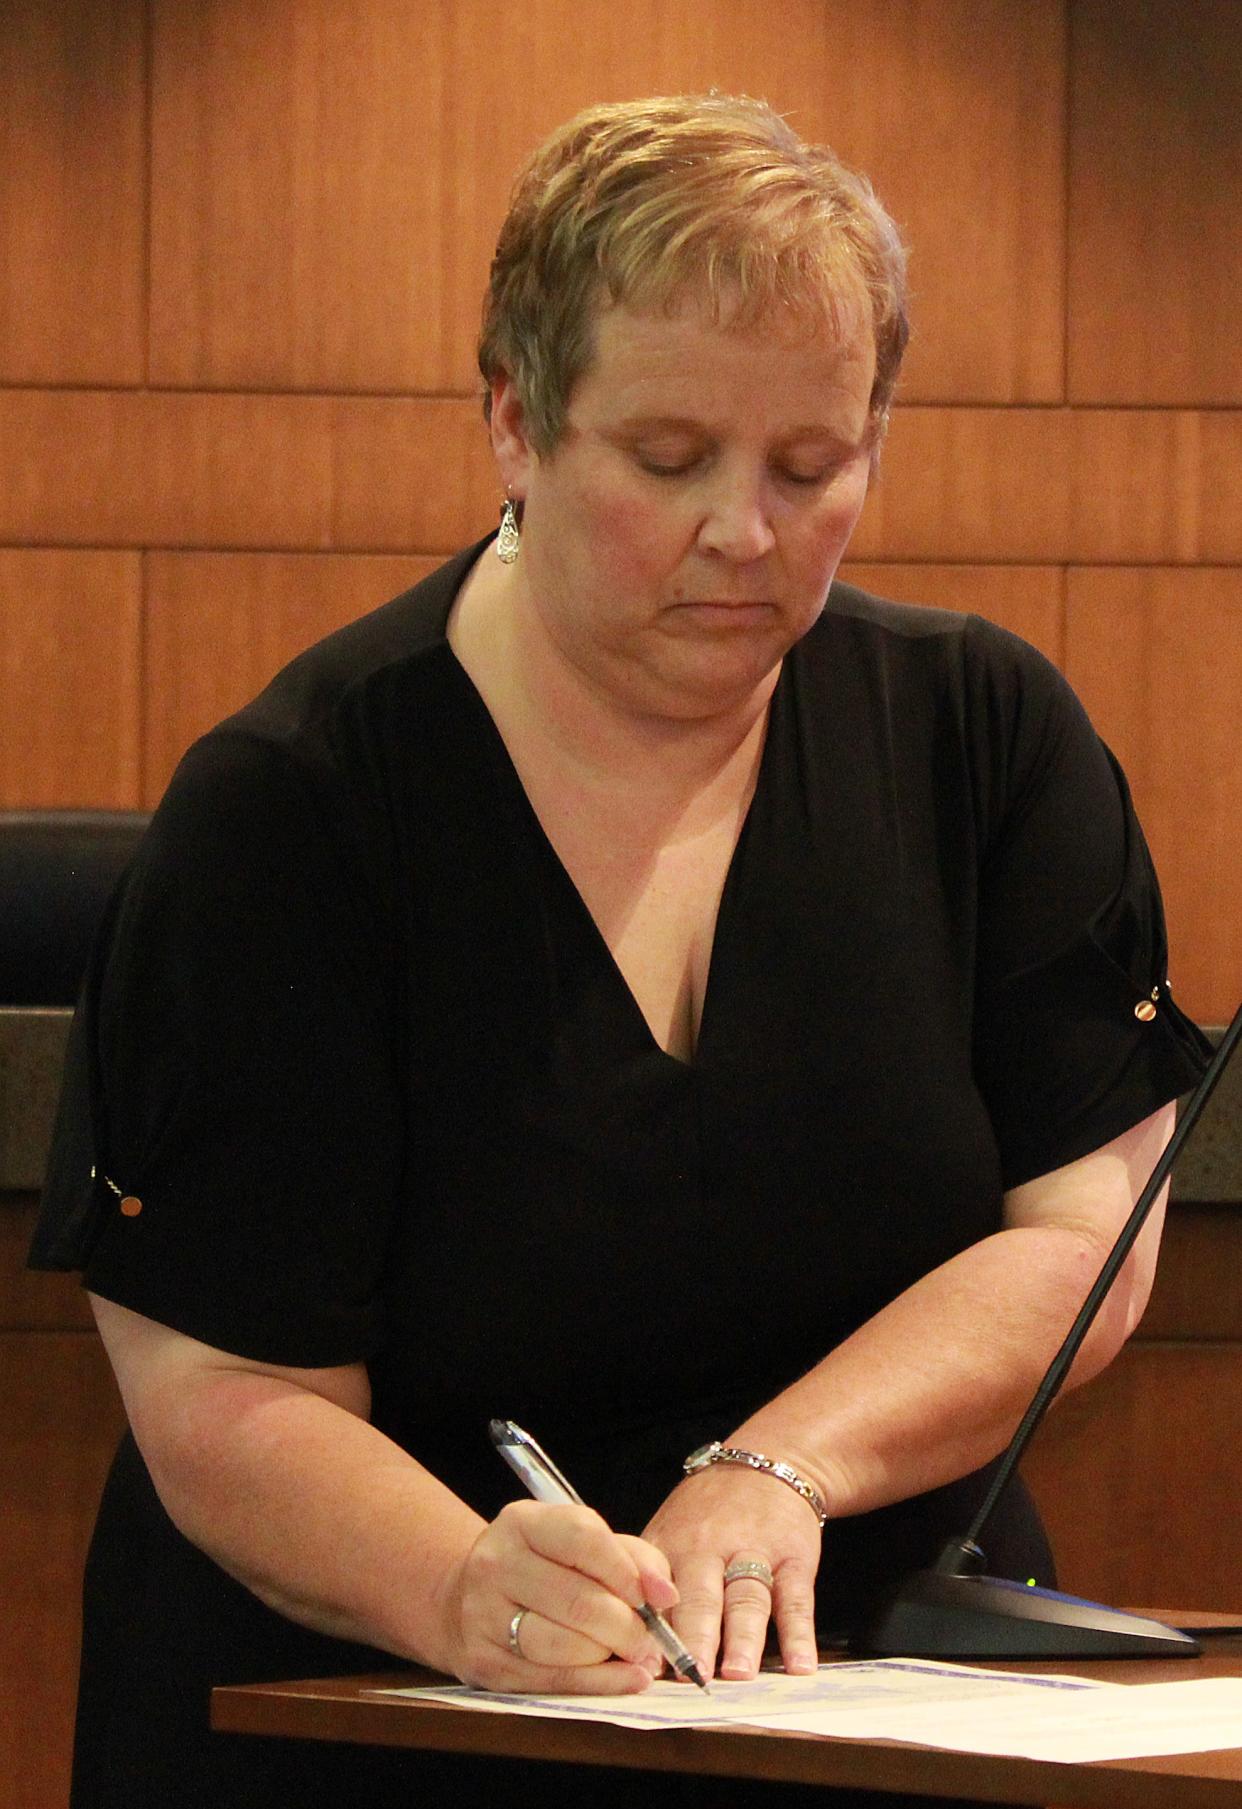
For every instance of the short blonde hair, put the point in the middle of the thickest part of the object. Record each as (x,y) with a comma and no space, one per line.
(643,203)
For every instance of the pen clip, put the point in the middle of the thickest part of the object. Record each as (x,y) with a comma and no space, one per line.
(527,1458)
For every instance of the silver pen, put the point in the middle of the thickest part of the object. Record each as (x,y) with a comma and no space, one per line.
(545,1482)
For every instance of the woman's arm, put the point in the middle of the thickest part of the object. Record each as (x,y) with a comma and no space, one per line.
(278,1475)
(926,1391)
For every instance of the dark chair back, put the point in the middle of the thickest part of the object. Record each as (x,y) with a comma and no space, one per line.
(57,871)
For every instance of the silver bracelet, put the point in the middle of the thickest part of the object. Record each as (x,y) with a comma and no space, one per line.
(716,1453)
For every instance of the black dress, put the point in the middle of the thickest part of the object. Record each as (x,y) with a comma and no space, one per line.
(353,1039)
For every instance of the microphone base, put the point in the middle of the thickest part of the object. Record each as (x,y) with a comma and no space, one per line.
(937,1616)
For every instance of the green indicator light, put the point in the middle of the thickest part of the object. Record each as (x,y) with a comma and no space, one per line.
(1030,1583)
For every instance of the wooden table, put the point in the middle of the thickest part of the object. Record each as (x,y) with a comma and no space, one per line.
(342,1708)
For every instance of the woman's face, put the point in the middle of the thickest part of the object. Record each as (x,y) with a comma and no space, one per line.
(683,532)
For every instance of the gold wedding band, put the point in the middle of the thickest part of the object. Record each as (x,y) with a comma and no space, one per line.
(515,1634)
(749,1567)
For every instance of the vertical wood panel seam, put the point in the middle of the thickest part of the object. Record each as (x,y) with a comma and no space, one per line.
(1067,102)
(1063,616)
(142,703)
(148,106)
(144,667)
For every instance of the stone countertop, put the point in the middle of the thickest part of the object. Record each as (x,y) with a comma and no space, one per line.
(32,1050)
(32,1054)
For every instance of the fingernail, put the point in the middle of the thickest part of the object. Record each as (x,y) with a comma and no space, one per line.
(658,1590)
(803,1662)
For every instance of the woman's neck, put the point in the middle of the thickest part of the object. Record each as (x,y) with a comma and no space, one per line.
(549,711)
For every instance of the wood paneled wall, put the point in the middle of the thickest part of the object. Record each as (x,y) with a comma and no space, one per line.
(241,254)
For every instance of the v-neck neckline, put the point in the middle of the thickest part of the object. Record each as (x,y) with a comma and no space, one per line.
(524,809)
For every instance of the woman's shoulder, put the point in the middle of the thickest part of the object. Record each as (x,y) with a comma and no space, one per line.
(314,751)
(958,652)
(359,662)
(955,689)
(335,700)
(964,632)
(883,618)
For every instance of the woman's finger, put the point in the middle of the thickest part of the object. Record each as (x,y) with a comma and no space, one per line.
(750,1607)
(576,1539)
(611,1679)
(793,1610)
(696,1617)
(576,1603)
(655,1573)
(733,1517)
(543,1563)
(493,1664)
(536,1640)
(748,1599)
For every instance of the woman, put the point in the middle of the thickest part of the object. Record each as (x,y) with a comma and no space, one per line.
(607,987)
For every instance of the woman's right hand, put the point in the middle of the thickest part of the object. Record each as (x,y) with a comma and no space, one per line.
(567,1587)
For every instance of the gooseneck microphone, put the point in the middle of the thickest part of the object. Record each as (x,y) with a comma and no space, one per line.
(955,1610)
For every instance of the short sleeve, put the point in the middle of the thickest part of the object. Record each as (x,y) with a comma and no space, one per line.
(228,1147)
(1077,1035)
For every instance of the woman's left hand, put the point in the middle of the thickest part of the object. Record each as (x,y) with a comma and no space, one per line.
(727,1516)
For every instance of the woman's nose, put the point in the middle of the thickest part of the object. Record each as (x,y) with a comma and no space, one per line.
(737,525)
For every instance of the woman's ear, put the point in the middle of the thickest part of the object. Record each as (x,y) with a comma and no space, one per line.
(510,446)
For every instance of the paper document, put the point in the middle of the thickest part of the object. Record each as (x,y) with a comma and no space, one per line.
(1118,1721)
(1017,1714)
(874,1686)
(665,1704)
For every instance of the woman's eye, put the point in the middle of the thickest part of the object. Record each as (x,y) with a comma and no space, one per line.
(667,467)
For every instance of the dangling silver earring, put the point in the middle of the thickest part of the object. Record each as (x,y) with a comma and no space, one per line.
(509,540)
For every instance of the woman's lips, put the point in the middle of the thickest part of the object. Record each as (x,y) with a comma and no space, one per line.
(724,612)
